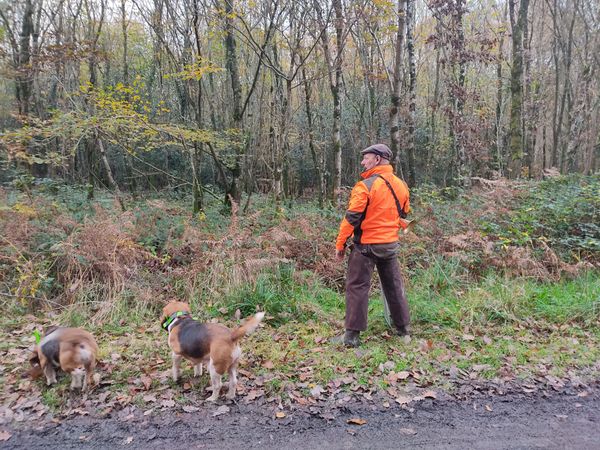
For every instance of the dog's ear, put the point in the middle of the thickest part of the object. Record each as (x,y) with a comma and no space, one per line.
(35,371)
(50,329)
(34,358)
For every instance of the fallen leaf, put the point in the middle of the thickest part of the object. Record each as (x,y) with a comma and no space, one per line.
(408,431)
(425,345)
(168,403)
(224,409)
(356,421)
(316,391)
(488,408)
(280,414)
(268,364)
(146,381)
(149,398)
(388,365)
(190,409)
(429,394)
(403,375)
(468,337)
(403,400)
(4,436)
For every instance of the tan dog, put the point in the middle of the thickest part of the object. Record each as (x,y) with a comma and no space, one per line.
(73,350)
(209,343)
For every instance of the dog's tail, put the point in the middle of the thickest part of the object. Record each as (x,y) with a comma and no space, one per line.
(248,327)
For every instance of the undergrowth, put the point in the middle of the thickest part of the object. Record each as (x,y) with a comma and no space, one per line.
(485,276)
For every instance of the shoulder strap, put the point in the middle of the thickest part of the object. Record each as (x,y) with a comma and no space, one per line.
(401,211)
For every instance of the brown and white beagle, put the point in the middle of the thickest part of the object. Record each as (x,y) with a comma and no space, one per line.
(208,343)
(72,350)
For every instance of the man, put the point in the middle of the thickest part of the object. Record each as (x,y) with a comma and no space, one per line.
(374,216)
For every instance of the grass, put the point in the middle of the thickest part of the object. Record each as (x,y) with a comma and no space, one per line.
(466,320)
(473,329)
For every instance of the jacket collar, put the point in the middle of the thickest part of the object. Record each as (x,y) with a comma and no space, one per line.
(377,170)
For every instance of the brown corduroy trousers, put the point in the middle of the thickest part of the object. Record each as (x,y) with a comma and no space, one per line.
(361,262)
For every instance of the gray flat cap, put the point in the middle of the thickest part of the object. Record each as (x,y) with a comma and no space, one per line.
(380,150)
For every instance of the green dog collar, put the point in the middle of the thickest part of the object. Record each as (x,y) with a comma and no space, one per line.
(37,336)
(169,320)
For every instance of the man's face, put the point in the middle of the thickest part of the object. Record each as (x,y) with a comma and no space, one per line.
(370,160)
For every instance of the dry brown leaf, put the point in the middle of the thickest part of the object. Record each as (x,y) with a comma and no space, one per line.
(468,337)
(317,391)
(280,414)
(268,364)
(488,408)
(425,345)
(254,394)
(429,394)
(146,381)
(4,436)
(403,375)
(403,400)
(408,431)
(190,409)
(224,409)
(356,421)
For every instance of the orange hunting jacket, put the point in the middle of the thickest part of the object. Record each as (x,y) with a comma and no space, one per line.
(372,216)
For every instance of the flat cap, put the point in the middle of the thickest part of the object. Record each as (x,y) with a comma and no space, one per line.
(380,150)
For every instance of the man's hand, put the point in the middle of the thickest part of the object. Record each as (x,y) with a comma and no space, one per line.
(339,254)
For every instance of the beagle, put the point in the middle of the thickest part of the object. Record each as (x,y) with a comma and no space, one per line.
(71,349)
(209,343)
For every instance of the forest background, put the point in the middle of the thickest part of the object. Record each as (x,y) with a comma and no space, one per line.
(279,96)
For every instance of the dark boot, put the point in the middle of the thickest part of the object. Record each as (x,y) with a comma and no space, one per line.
(350,338)
(404,333)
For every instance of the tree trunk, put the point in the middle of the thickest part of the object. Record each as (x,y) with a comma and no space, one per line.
(24,81)
(396,88)
(231,64)
(109,174)
(317,159)
(412,95)
(516,91)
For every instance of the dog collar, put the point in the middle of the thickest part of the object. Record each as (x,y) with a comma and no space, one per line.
(171,319)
